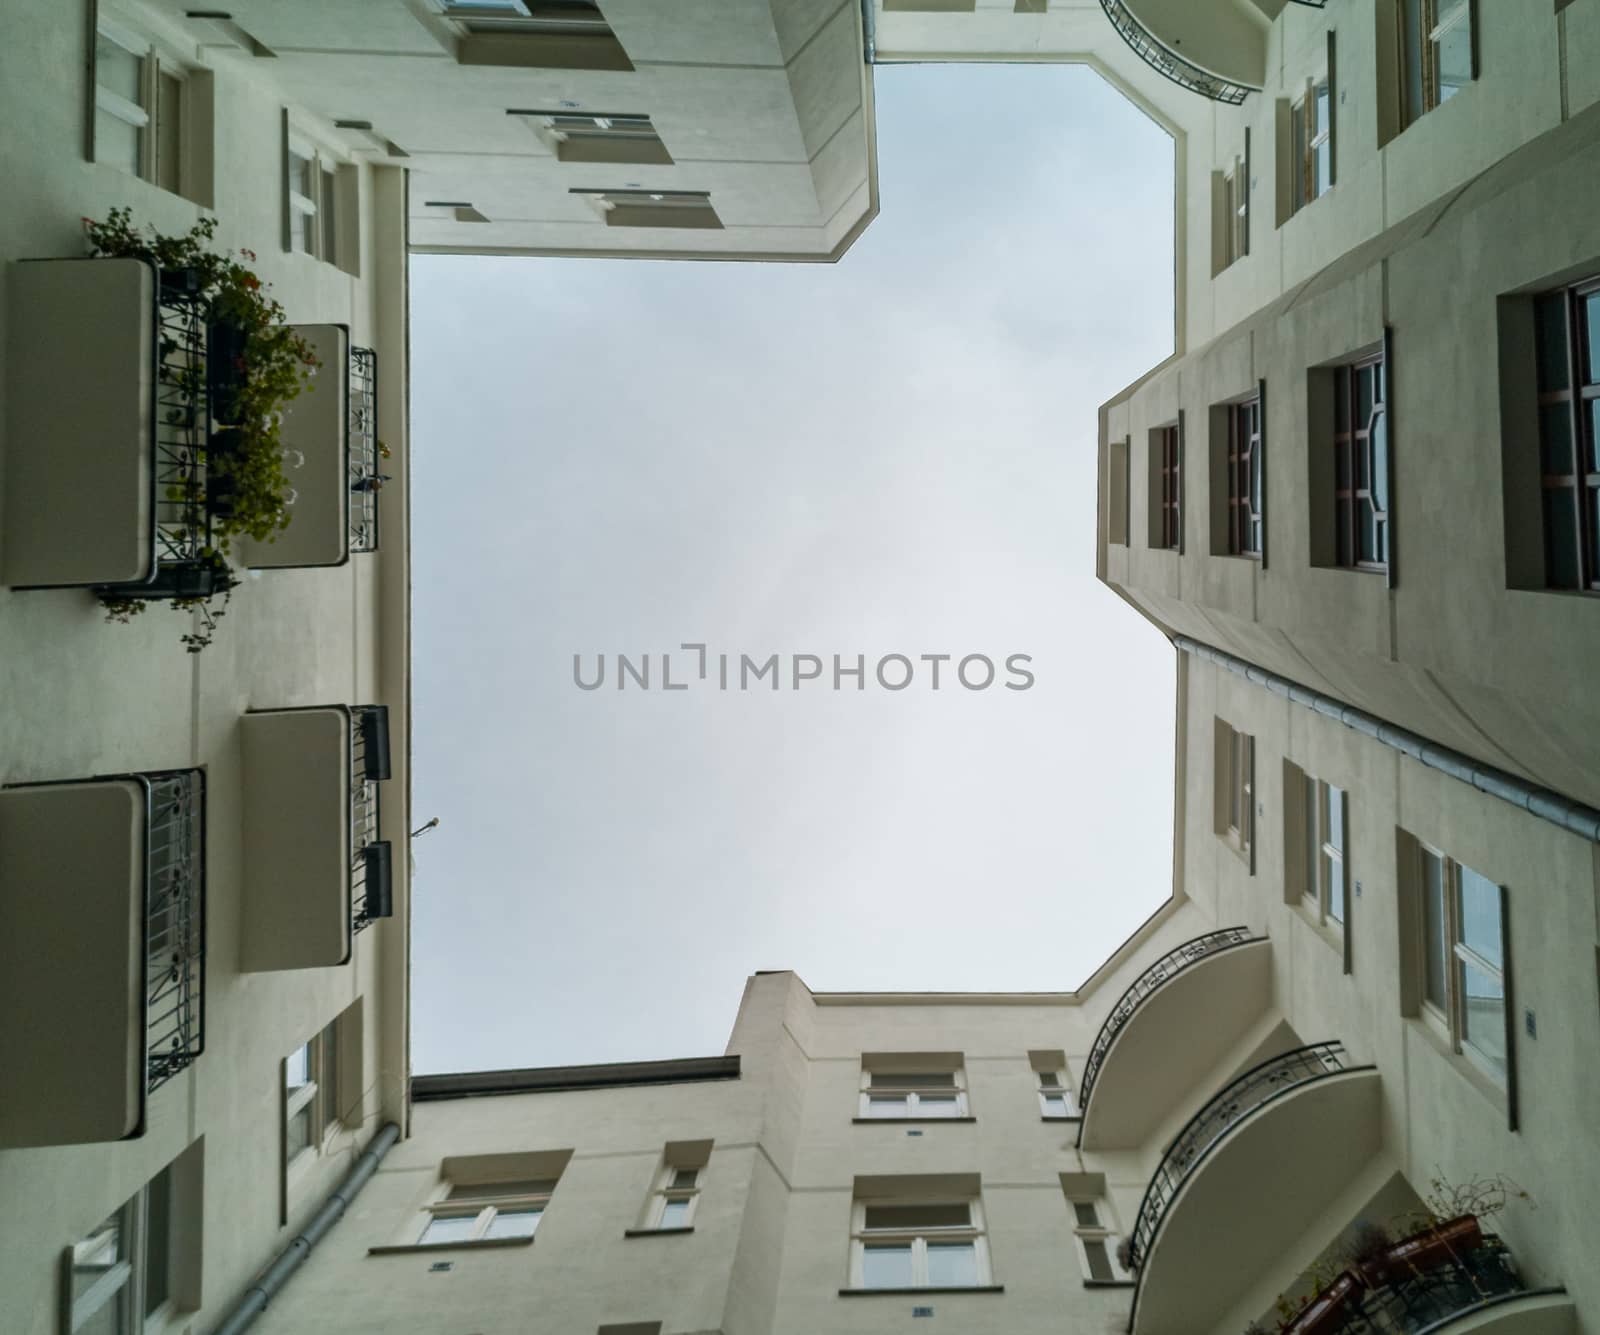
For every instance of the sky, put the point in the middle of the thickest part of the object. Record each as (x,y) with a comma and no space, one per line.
(890,455)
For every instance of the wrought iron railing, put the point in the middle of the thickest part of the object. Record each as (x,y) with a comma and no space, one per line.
(365,476)
(371,858)
(1169,63)
(1420,1302)
(1159,973)
(1258,1086)
(175,923)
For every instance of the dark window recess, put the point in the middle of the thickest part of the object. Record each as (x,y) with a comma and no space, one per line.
(1567,339)
(1361,465)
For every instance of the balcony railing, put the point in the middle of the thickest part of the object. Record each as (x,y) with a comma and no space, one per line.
(365,475)
(1258,1086)
(1168,63)
(175,927)
(371,858)
(1162,971)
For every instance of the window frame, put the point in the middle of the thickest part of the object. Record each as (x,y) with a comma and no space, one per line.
(668,1191)
(1449,1023)
(1056,1084)
(145,115)
(1352,446)
(319,1094)
(1425,62)
(1581,479)
(1326,864)
(127,1279)
(1238,809)
(973,1231)
(1170,474)
(483,1209)
(479,17)
(912,1094)
(322,211)
(1310,135)
(1099,1232)
(1246,475)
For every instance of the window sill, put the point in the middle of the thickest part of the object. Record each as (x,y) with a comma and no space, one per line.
(1110,1283)
(656,1232)
(1071,1117)
(872,1293)
(471,1245)
(909,1121)
(1328,931)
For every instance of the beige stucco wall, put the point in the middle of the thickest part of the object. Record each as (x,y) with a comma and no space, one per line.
(79,697)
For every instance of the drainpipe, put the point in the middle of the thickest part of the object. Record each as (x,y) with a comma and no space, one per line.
(869,31)
(275,1276)
(1573,817)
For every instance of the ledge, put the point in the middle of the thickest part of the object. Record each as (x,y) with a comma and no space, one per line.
(1076,1117)
(873,1293)
(471,1245)
(910,1121)
(1110,1283)
(656,1232)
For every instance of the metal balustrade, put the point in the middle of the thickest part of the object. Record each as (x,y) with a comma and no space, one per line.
(1421,1301)
(365,477)
(371,858)
(1159,973)
(1167,63)
(1257,1087)
(175,931)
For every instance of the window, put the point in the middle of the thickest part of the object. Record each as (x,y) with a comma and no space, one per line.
(676,1193)
(918,1244)
(1055,1099)
(1567,346)
(1244,467)
(141,1264)
(654,208)
(1311,143)
(1234,766)
(550,34)
(139,108)
(1166,487)
(1435,43)
(487,1211)
(577,136)
(1117,492)
(894,1087)
(580,17)
(1361,465)
(311,1110)
(1236,209)
(312,202)
(1461,952)
(1324,886)
(1097,1241)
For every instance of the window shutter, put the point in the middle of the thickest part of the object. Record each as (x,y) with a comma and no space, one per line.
(1284,182)
(1266,508)
(1344,875)
(1249,817)
(1510,1010)
(1389,576)
(1219,223)
(1183,472)
(1243,189)
(1333,116)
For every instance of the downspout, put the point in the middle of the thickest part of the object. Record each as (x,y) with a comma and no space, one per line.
(1573,817)
(869,31)
(275,1276)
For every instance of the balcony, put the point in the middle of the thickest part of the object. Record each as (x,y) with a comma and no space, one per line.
(315,871)
(1226,52)
(102,964)
(108,427)
(1239,1180)
(331,460)
(1148,1054)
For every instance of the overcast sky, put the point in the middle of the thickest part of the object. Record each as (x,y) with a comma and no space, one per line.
(894,454)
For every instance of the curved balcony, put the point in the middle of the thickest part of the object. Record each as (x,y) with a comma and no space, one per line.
(1259,1164)
(1237,67)
(1149,1054)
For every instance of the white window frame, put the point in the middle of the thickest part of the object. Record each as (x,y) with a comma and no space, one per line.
(1310,136)
(1235,773)
(670,1190)
(145,114)
(882,1084)
(1450,1022)
(918,1239)
(486,1202)
(1103,1231)
(1055,1084)
(1439,18)
(324,206)
(322,1053)
(1326,864)
(126,1276)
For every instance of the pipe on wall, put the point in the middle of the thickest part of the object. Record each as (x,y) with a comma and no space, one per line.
(1571,816)
(272,1280)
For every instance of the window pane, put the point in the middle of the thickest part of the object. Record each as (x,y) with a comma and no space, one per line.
(1484,1016)
(169,131)
(913,1080)
(1333,815)
(1550,338)
(886,1105)
(938,1105)
(298,1133)
(1480,916)
(448,1228)
(675,1214)
(118,70)
(1322,172)
(1380,460)
(111,1318)
(297,1070)
(1563,569)
(1592,463)
(1455,58)
(1055,1105)
(1435,947)
(97,1253)
(1333,875)
(1049,1080)
(157,1241)
(300,175)
(1555,438)
(1589,320)
(1085,1214)
(330,229)
(952,1264)
(486,1191)
(685,1178)
(912,1218)
(513,1223)
(885,1266)
(1313,839)
(116,143)
(1412,40)
(1099,1261)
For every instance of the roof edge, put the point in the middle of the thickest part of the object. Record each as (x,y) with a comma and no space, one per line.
(551,1079)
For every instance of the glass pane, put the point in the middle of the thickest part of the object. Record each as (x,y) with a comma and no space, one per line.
(883,1105)
(513,1224)
(938,1105)
(110,1318)
(952,1265)
(675,1214)
(1550,339)
(1333,815)
(1484,1017)
(330,230)
(1435,946)
(328,1077)
(297,1070)
(1099,1261)
(1333,878)
(118,70)
(1589,321)
(305,232)
(298,1135)
(97,1253)
(448,1228)
(158,1241)
(1367,531)
(1563,567)
(909,1218)
(1480,916)
(1555,438)
(685,1178)
(116,143)
(913,1080)
(1055,1105)
(1085,1214)
(1322,172)
(1380,460)
(300,175)
(1412,41)
(478,1191)
(1592,463)
(169,129)
(886,1266)
(1363,394)
(1455,58)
